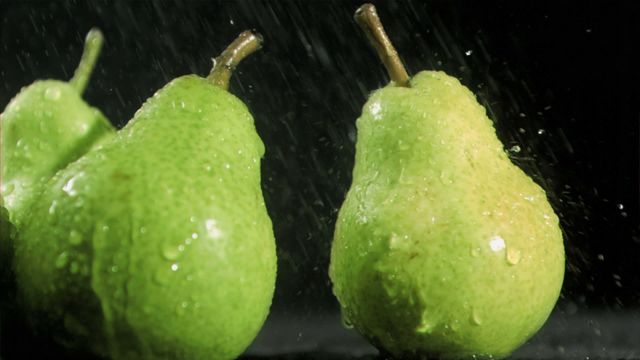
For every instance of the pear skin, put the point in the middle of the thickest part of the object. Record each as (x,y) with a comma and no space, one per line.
(44,128)
(442,248)
(158,244)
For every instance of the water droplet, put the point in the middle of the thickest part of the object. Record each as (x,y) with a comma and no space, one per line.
(143,230)
(515,149)
(620,206)
(496,243)
(455,325)
(68,186)
(161,276)
(402,145)
(346,322)
(61,260)
(227,166)
(52,93)
(513,256)
(75,238)
(182,308)
(170,251)
(212,229)
(475,318)
(175,267)
(426,325)
(114,268)
(444,178)
(394,241)
(475,252)
(375,110)
(74,267)
(8,189)
(541,131)
(468,52)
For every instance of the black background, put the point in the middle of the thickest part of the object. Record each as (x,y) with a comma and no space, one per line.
(559,79)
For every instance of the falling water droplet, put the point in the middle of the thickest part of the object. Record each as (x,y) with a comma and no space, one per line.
(513,256)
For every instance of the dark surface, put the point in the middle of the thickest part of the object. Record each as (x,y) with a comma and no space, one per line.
(577,335)
(566,335)
(558,79)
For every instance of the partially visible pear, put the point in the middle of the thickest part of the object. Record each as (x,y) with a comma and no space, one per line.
(443,248)
(158,244)
(45,127)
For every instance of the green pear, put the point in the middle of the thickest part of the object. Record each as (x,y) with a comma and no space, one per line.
(158,245)
(44,128)
(442,248)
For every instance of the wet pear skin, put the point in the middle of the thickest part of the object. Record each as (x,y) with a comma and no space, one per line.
(44,128)
(157,245)
(442,247)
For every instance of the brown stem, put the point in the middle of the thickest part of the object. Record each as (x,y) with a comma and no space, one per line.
(245,44)
(367,17)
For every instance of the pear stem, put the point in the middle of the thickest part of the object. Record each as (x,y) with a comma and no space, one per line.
(367,17)
(92,45)
(245,44)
